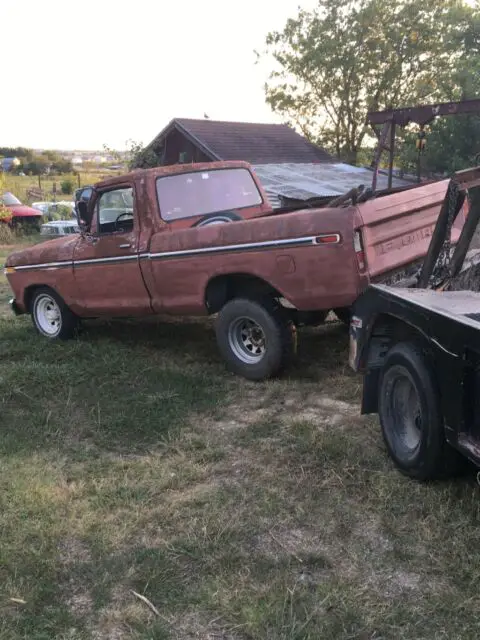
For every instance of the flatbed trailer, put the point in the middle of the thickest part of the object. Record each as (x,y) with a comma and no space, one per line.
(418,348)
(419,351)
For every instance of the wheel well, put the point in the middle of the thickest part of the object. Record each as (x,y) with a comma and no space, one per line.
(28,294)
(224,288)
(386,332)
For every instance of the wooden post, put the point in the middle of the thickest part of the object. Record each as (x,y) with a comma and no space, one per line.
(392,154)
(382,138)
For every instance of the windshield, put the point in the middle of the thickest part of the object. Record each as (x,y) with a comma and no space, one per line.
(9,200)
(198,193)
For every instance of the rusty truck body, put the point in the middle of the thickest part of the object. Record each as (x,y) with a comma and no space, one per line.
(203,239)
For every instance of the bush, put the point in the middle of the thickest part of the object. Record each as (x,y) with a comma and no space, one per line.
(67,187)
(5,213)
(6,234)
(61,212)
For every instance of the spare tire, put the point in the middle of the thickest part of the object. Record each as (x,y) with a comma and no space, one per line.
(218,218)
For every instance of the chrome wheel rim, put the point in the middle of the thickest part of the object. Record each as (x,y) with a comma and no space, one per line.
(247,340)
(48,316)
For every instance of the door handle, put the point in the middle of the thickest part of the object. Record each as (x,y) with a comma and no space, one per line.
(127,245)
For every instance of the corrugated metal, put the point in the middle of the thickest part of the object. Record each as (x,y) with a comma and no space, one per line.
(304,181)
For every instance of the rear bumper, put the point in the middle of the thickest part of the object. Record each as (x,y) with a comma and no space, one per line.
(15,308)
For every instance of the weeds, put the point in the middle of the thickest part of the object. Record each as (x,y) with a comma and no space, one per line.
(133,465)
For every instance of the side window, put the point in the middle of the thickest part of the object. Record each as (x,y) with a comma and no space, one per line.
(115,211)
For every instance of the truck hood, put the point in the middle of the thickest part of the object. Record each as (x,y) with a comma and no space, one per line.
(56,250)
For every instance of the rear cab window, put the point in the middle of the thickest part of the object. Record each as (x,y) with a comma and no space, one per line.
(199,193)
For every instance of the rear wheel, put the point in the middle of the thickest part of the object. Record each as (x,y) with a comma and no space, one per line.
(50,315)
(411,418)
(256,338)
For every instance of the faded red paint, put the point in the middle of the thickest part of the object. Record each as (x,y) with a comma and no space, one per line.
(311,277)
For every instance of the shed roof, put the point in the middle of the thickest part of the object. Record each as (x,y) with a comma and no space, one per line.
(256,143)
(305,181)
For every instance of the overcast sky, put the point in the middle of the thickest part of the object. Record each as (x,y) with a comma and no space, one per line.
(81,74)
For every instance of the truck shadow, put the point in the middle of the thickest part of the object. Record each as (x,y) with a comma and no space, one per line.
(319,348)
(129,385)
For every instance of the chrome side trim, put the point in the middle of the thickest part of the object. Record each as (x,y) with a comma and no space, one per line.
(44,265)
(267,244)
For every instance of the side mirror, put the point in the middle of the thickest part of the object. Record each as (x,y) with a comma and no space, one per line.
(81,210)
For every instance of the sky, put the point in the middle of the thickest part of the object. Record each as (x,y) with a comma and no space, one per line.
(78,75)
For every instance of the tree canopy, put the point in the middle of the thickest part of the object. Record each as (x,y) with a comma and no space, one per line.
(333,65)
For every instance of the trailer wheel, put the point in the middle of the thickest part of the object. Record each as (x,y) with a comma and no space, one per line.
(256,338)
(411,418)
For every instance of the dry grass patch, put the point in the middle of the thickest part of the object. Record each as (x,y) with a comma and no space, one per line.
(132,462)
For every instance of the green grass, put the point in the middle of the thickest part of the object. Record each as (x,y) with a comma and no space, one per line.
(132,462)
(20,185)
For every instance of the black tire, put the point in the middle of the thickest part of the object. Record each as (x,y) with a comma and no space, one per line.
(411,418)
(344,314)
(217,218)
(62,324)
(256,338)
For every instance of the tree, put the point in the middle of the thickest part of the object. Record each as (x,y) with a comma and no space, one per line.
(140,157)
(345,58)
(453,144)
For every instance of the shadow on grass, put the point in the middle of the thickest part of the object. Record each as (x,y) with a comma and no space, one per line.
(121,385)
(126,385)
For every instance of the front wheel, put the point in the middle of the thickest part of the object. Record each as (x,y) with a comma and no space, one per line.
(256,338)
(411,417)
(50,315)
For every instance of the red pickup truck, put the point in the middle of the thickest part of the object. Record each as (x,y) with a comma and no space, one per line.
(203,239)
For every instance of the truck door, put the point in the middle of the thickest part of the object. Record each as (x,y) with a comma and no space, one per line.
(106,260)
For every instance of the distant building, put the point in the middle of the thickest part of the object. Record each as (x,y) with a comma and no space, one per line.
(187,140)
(76,160)
(9,164)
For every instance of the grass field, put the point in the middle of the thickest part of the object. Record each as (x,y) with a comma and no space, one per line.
(131,462)
(20,185)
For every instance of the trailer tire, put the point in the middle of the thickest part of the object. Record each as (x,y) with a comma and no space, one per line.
(411,418)
(256,338)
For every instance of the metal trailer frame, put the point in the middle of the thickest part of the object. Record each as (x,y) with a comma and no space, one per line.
(422,115)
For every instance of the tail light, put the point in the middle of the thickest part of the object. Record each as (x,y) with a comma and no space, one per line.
(358,246)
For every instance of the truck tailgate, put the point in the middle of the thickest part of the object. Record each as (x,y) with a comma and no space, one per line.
(397,228)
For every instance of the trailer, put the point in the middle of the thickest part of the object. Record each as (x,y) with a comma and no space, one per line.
(418,348)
